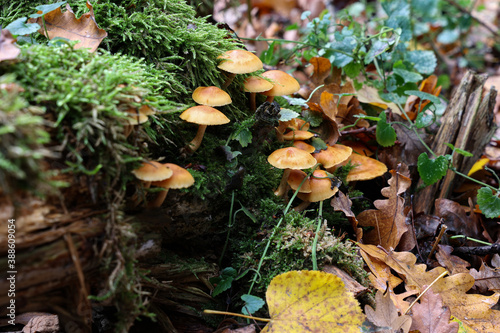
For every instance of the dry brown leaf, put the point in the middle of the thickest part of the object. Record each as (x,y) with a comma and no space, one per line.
(66,25)
(486,279)
(386,315)
(452,263)
(8,50)
(431,316)
(457,220)
(388,219)
(322,69)
(370,95)
(342,203)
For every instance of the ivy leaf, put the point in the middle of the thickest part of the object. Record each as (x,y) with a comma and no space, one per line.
(425,62)
(460,151)
(223,282)
(423,95)
(44,9)
(19,27)
(287,114)
(252,304)
(488,202)
(432,170)
(385,134)
(407,76)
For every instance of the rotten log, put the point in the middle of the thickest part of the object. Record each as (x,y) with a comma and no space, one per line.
(467,124)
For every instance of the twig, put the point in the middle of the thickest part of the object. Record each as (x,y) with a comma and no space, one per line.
(438,239)
(477,250)
(360,130)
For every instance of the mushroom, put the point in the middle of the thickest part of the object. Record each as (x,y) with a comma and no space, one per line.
(289,158)
(181,178)
(148,172)
(284,84)
(133,118)
(203,115)
(333,155)
(322,188)
(238,62)
(298,135)
(254,85)
(295,178)
(211,96)
(304,146)
(366,168)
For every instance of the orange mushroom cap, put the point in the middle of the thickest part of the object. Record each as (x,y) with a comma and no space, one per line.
(239,62)
(152,171)
(304,146)
(284,83)
(204,115)
(291,158)
(366,168)
(181,178)
(333,155)
(255,84)
(298,135)
(211,96)
(321,187)
(295,178)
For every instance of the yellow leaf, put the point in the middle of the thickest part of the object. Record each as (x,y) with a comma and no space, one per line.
(311,301)
(478,165)
(370,95)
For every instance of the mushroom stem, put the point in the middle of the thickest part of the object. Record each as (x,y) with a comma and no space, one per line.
(280,191)
(303,205)
(158,201)
(270,99)
(229,79)
(253,105)
(196,142)
(135,200)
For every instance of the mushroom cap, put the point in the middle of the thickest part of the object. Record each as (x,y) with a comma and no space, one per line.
(211,96)
(284,83)
(135,118)
(295,178)
(321,187)
(333,155)
(255,84)
(204,115)
(152,171)
(146,110)
(181,178)
(239,62)
(291,158)
(299,124)
(298,135)
(304,146)
(366,168)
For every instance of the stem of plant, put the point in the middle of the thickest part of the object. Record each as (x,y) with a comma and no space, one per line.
(229,226)
(316,236)
(236,315)
(287,208)
(471,239)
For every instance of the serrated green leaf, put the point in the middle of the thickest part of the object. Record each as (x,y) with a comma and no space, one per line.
(460,151)
(287,114)
(224,281)
(423,95)
(425,62)
(407,76)
(378,47)
(347,46)
(315,118)
(20,27)
(424,119)
(385,134)
(297,101)
(44,9)
(244,137)
(488,202)
(432,170)
(353,69)
(318,143)
(252,304)
(448,36)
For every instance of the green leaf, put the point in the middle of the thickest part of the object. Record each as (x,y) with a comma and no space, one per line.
(346,46)
(318,143)
(244,137)
(252,304)
(20,27)
(377,48)
(423,95)
(424,119)
(287,114)
(460,151)
(223,282)
(385,134)
(353,69)
(432,170)
(448,36)
(488,202)
(44,9)
(315,118)
(267,55)
(407,76)
(425,62)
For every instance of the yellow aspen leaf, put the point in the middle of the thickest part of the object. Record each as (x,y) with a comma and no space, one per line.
(311,301)
(479,165)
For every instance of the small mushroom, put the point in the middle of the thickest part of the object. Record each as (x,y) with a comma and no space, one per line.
(333,155)
(238,62)
(181,178)
(304,146)
(211,96)
(254,85)
(148,172)
(284,84)
(298,135)
(289,158)
(366,168)
(322,188)
(203,115)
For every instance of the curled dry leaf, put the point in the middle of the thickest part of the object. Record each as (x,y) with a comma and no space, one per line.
(486,279)
(452,263)
(8,50)
(66,25)
(386,315)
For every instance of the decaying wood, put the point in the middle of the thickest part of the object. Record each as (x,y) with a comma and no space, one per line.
(467,124)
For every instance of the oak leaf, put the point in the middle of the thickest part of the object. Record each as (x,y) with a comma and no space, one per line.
(388,220)
(487,278)
(311,301)
(431,316)
(66,25)
(386,315)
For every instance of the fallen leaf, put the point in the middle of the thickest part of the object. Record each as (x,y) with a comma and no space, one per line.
(386,315)
(486,279)
(388,220)
(322,69)
(66,25)
(313,301)
(431,316)
(342,203)
(8,50)
(370,95)
(452,263)
(457,220)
